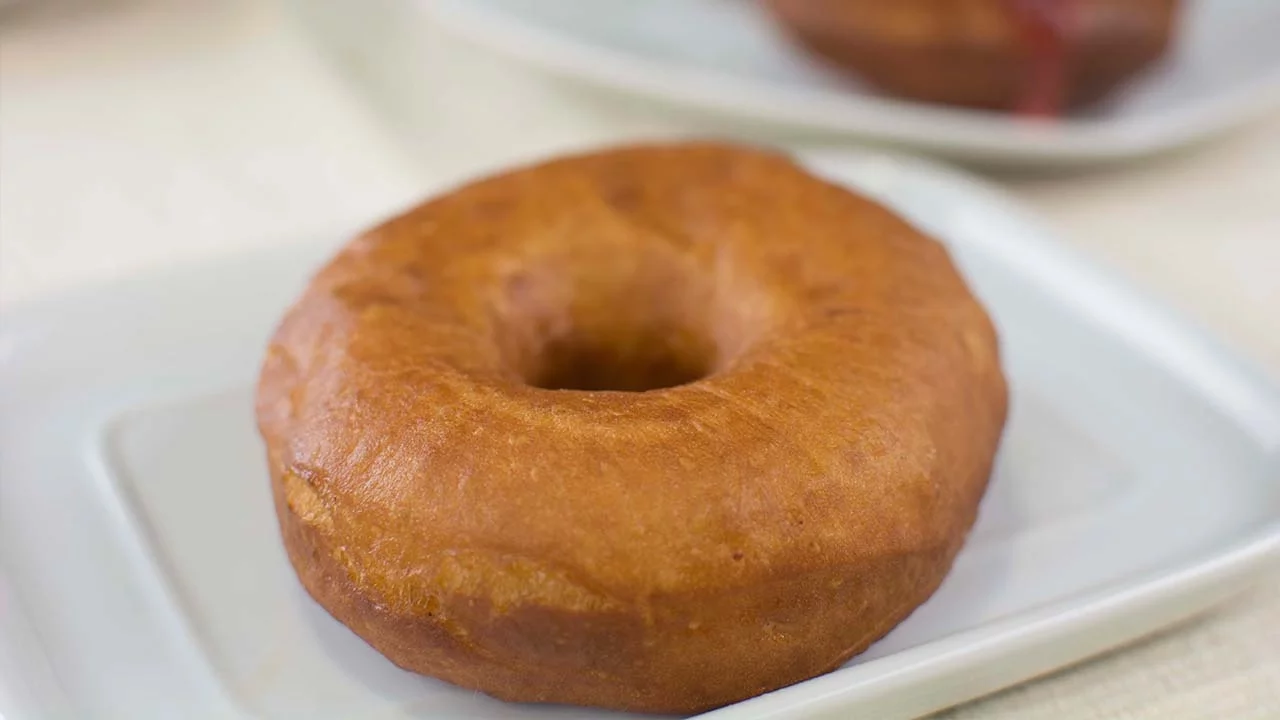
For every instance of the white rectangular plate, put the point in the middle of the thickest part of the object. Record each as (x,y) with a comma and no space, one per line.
(143,577)
(726,56)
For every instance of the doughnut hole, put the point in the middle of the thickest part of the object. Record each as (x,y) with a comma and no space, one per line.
(651,362)
(632,324)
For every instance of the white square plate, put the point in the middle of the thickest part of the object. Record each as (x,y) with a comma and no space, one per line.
(143,577)
(726,56)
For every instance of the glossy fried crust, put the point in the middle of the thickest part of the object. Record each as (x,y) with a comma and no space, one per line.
(973,52)
(802,487)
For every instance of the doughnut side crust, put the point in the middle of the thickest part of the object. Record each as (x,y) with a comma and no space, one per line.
(664,551)
(971,53)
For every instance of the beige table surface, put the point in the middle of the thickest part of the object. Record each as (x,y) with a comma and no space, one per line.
(140,133)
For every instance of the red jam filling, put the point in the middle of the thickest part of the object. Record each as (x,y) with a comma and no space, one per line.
(1044,25)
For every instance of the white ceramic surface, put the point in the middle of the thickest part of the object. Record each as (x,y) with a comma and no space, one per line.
(142,575)
(726,56)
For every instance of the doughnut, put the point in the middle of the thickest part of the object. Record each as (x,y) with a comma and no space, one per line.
(654,428)
(1037,57)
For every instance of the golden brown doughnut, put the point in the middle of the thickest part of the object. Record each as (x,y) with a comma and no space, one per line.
(1038,56)
(657,428)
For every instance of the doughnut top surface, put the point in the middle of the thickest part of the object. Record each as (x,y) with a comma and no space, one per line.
(656,428)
